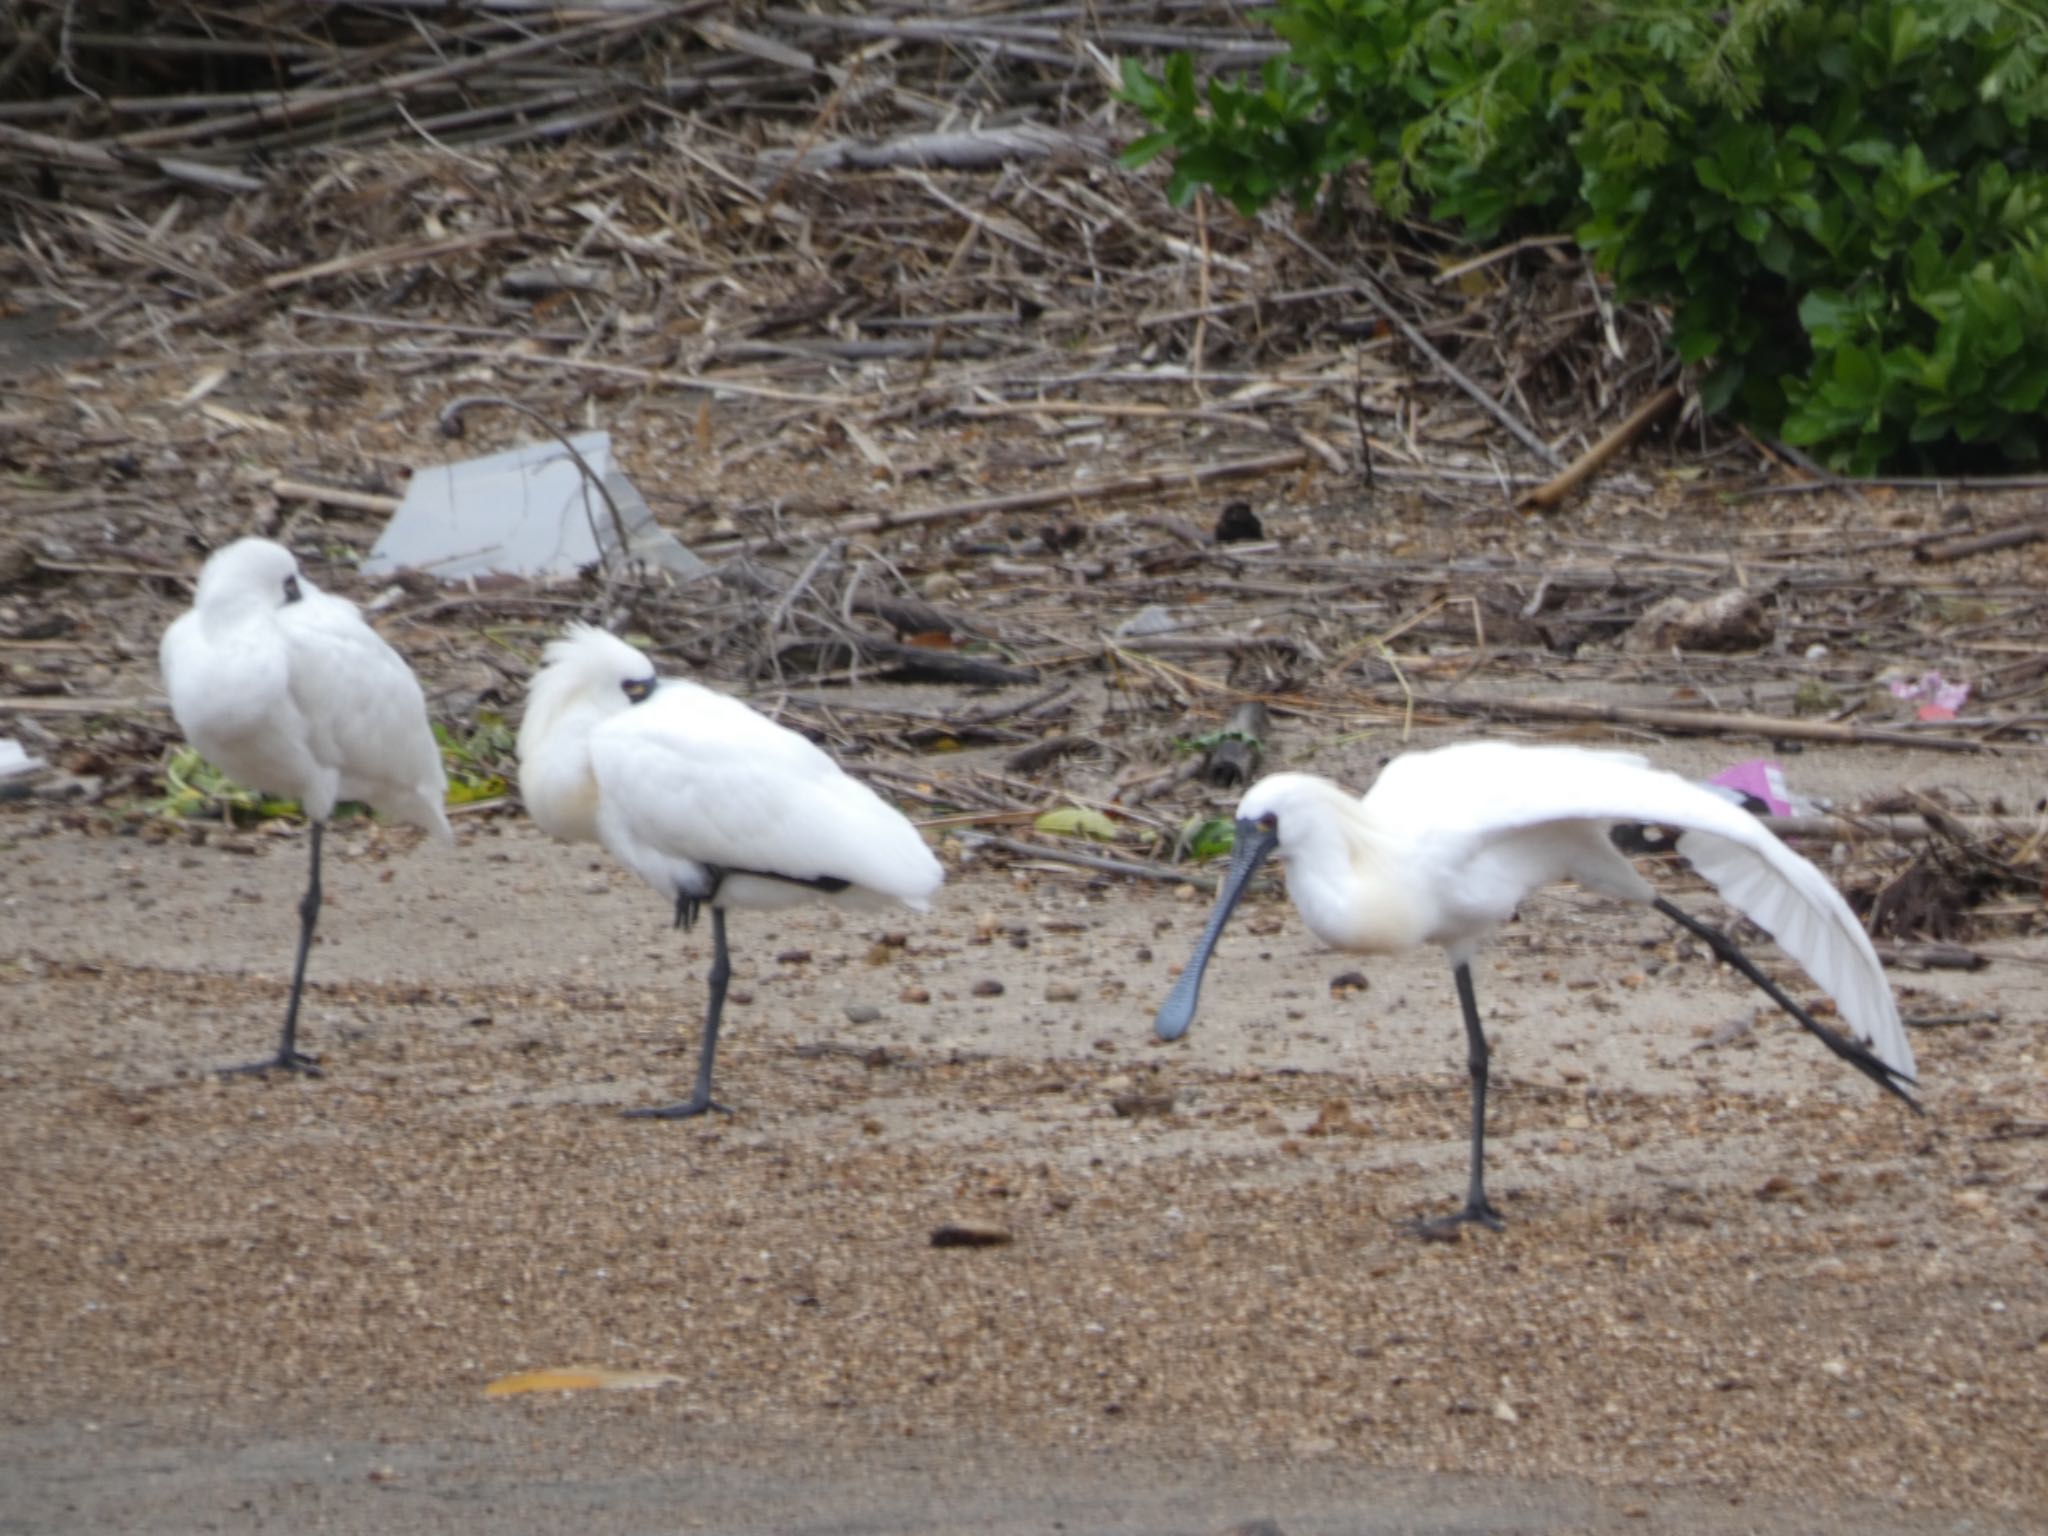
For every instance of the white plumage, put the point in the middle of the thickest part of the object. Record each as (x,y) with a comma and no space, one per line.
(707,800)
(1446,844)
(285,689)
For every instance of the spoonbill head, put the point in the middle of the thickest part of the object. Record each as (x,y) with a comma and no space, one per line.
(285,689)
(1447,844)
(707,800)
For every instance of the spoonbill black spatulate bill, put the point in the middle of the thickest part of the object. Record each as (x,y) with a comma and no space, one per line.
(1446,844)
(707,800)
(285,689)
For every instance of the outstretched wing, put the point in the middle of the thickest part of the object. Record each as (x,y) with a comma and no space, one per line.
(1502,789)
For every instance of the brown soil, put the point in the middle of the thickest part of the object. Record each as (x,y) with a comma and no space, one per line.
(1737,1287)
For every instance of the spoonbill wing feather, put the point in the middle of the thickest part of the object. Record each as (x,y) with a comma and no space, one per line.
(234,703)
(691,775)
(363,711)
(1796,905)
(1490,789)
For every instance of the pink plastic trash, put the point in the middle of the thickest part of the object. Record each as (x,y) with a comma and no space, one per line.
(1759,779)
(1940,698)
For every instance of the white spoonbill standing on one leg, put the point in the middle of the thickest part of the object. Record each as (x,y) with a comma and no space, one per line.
(707,800)
(285,689)
(1444,846)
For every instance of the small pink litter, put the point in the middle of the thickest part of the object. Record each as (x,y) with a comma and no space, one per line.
(1760,780)
(1941,699)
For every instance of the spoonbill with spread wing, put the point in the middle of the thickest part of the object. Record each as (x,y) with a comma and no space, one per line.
(285,689)
(707,800)
(1446,844)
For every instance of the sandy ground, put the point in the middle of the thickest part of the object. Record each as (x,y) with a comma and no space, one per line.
(1739,1290)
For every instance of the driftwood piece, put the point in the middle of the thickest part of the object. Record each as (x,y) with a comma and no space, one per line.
(1588,464)
(1851,827)
(1940,551)
(1697,722)
(1932,957)
(285,488)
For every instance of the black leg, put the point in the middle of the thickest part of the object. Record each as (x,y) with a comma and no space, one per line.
(288,1058)
(700,1098)
(1855,1053)
(1478,1209)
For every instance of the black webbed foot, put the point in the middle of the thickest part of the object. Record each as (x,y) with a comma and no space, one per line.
(1448,1229)
(283,1061)
(686,1110)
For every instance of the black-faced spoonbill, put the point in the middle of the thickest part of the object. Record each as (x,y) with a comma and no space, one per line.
(707,800)
(285,689)
(1444,846)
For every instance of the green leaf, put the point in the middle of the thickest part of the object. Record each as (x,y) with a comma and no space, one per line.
(1856,371)
(1077,821)
(1144,150)
(1829,316)
(1208,838)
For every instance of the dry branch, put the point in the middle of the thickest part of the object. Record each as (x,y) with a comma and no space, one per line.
(1583,468)
(1141,869)
(287,489)
(1698,722)
(98,157)
(2010,537)
(960,150)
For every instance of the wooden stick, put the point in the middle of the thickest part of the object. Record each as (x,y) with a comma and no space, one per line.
(287,489)
(2008,537)
(95,157)
(1699,722)
(1849,826)
(657,377)
(1582,469)
(962,150)
(1143,870)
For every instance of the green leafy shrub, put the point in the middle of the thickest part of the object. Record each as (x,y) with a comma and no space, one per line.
(1845,205)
